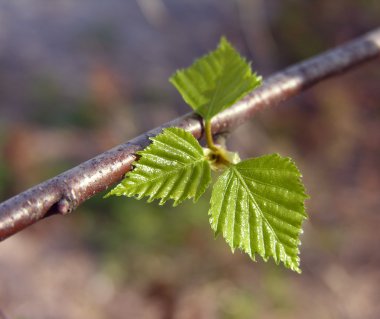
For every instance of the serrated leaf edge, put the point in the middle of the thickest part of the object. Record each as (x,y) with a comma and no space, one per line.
(289,262)
(122,188)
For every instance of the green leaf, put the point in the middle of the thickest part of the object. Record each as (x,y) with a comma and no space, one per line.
(172,167)
(258,206)
(215,81)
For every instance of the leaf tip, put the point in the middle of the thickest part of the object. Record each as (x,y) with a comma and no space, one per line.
(223,42)
(107,195)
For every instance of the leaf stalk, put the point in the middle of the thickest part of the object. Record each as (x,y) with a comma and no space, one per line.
(209,137)
(218,156)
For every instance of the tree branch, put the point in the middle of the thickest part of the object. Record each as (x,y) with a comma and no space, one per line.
(63,193)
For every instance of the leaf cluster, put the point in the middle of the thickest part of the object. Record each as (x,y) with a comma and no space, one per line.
(256,204)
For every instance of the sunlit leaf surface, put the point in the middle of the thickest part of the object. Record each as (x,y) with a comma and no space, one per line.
(215,81)
(172,167)
(258,206)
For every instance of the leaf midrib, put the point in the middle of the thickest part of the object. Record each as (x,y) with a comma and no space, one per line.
(245,186)
(218,85)
(194,163)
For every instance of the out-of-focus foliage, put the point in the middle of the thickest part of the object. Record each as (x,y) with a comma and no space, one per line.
(107,63)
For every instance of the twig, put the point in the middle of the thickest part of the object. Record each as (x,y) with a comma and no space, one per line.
(63,193)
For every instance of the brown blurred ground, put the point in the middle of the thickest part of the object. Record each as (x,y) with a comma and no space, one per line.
(80,77)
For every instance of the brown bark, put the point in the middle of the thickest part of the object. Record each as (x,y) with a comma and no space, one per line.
(63,193)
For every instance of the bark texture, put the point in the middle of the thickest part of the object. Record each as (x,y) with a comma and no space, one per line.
(63,193)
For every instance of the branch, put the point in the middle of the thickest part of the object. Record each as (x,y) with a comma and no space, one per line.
(63,193)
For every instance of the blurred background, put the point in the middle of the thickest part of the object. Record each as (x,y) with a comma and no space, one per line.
(79,77)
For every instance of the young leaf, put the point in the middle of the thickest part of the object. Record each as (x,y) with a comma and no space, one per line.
(215,81)
(172,167)
(258,206)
